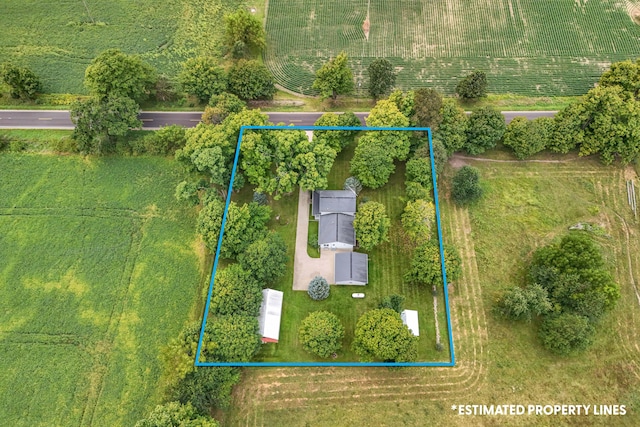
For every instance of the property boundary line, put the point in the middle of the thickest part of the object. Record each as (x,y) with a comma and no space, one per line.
(452,362)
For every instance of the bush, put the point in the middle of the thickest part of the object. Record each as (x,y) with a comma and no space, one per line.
(321,333)
(260,198)
(187,192)
(566,333)
(21,80)
(466,185)
(352,183)
(393,302)
(166,140)
(319,288)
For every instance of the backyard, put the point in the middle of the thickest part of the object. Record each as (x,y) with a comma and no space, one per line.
(100,269)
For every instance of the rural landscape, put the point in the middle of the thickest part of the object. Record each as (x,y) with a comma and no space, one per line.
(140,246)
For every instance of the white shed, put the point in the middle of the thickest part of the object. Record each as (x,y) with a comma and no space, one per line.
(410,318)
(270,314)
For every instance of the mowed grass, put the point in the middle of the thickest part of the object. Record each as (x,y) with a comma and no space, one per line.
(387,264)
(99,271)
(497,362)
(528,47)
(59,40)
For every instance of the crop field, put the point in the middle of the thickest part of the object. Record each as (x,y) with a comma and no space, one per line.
(387,264)
(58,40)
(99,271)
(526,204)
(529,47)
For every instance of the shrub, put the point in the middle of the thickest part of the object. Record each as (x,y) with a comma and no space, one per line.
(260,198)
(187,192)
(319,288)
(352,183)
(566,333)
(393,302)
(466,185)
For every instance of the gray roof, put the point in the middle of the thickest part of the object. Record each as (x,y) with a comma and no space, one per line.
(334,201)
(336,228)
(315,203)
(352,266)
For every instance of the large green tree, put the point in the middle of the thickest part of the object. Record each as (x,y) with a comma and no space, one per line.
(625,74)
(235,338)
(334,78)
(386,114)
(243,33)
(202,77)
(486,127)
(418,219)
(250,79)
(452,130)
(336,139)
(23,82)
(265,259)
(472,86)
(114,73)
(236,291)
(381,335)
(98,122)
(466,185)
(372,225)
(428,108)
(221,106)
(382,77)
(426,268)
(372,163)
(321,333)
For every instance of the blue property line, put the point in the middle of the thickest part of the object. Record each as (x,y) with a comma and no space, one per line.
(320,364)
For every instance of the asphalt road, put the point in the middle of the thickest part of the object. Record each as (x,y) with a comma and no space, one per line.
(59,119)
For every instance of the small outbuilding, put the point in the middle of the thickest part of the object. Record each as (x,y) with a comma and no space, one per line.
(410,318)
(335,231)
(270,315)
(351,268)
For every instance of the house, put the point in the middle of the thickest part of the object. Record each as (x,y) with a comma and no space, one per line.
(351,268)
(410,318)
(270,314)
(335,231)
(325,202)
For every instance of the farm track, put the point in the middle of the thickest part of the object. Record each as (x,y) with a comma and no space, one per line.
(286,388)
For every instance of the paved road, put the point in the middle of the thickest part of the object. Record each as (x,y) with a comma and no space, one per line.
(59,119)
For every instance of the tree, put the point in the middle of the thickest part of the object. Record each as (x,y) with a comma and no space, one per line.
(99,121)
(114,73)
(371,224)
(386,114)
(352,183)
(565,333)
(175,414)
(187,192)
(405,101)
(568,128)
(527,138)
(466,185)
(415,191)
(418,170)
(245,225)
(625,74)
(486,127)
(265,259)
(336,139)
(236,337)
(522,303)
(318,288)
(452,131)
(206,388)
(382,77)
(393,302)
(428,108)
(426,268)
(321,333)
(417,220)
(380,334)
(334,78)
(221,106)
(473,86)
(250,80)
(23,82)
(165,140)
(203,78)
(236,291)
(243,33)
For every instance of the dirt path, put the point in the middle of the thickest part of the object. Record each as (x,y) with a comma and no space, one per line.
(458,160)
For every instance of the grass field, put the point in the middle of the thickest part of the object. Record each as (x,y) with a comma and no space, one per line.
(59,40)
(99,271)
(530,47)
(526,204)
(387,264)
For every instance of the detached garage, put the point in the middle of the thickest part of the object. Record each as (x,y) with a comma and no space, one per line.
(270,314)
(351,268)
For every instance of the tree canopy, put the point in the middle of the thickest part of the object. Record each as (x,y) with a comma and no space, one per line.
(380,334)
(321,333)
(372,225)
(472,86)
(426,268)
(265,259)
(174,414)
(319,288)
(336,139)
(452,130)
(372,162)
(418,219)
(114,73)
(203,78)
(236,291)
(382,77)
(486,127)
(528,137)
(250,79)
(466,185)
(386,114)
(334,78)
(22,82)
(243,33)
(428,108)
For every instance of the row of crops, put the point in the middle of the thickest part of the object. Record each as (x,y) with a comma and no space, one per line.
(539,47)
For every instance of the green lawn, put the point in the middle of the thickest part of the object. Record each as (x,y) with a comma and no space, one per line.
(387,264)
(99,271)
(525,206)
(527,47)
